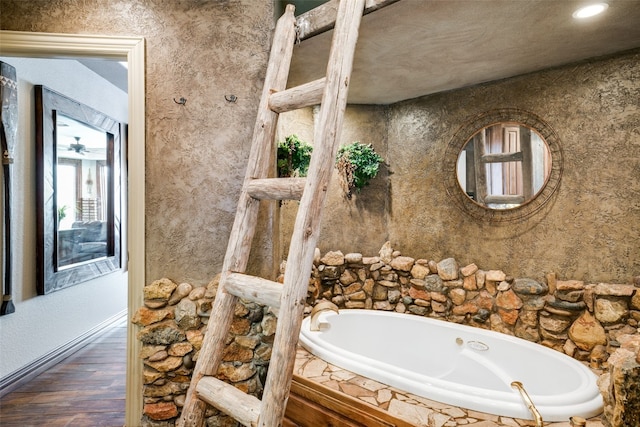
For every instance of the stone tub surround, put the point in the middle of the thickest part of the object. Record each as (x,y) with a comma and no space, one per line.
(595,323)
(418,410)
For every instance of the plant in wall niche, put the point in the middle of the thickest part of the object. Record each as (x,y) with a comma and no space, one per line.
(357,164)
(294,156)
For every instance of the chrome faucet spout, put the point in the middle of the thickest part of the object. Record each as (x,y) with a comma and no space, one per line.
(532,408)
(319,308)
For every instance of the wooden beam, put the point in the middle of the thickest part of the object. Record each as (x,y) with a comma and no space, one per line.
(276,188)
(254,289)
(323,18)
(305,95)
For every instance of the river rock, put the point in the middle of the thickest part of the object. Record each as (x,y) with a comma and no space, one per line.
(433,283)
(610,310)
(186,314)
(181,291)
(159,289)
(529,287)
(419,271)
(448,269)
(353,258)
(333,258)
(402,263)
(586,332)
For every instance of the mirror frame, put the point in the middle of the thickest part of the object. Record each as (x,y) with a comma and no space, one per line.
(49,277)
(470,128)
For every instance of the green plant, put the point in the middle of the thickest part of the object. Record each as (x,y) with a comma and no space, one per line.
(357,164)
(62,212)
(294,156)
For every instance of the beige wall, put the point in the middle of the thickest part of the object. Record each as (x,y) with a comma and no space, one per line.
(196,154)
(591,230)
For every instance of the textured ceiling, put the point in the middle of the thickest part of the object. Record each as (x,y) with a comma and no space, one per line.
(418,47)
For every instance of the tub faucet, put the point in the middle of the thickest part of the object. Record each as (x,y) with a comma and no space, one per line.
(532,408)
(319,308)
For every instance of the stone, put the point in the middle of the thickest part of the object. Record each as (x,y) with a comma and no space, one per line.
(603,289)
(160,411)
(569,348)
(438,307)
(159,289)
(470,283)
(333,258)
(503,286)
(468,270)
(565,305)
(529,287)
(394,296)
(569,296)
(622,392)
(495,275)
(552,282)
(236,353)
(481,277)
(420,311)
(402,263)
(236,373)
(433,266)
(197,293)
(556,324)
(352,289)
(268,323)
(180,349)
(569,285)
(186,314)
(533,303)
(433,283)
(181,291)
(466,308)
(387,283)
(195,337)
(161,333)
(380,293)
(145,316)
(610,310)
(508,300)
(386,252)
(635,300)
(170,363)
(587,332)
(155,303)
(382,305)
(357,296)
(457,296)
(419,271)
(212,286)
(510,317)
(448,269)
(419,293)
(148,350)
(353,258)
(348,277)
(158,356)
(422,302)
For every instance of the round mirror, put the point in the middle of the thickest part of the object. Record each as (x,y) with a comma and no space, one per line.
(504,165)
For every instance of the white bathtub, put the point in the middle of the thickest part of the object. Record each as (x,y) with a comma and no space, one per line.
(459,365)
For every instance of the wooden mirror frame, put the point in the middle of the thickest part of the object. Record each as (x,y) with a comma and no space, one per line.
(49,277)
(470,128)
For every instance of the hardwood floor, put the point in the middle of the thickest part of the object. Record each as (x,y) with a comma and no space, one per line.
(87,389)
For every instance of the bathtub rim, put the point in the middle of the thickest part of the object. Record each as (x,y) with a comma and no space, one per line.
(509,403)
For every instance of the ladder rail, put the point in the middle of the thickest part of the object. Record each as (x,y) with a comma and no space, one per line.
(243,230)
(307,225)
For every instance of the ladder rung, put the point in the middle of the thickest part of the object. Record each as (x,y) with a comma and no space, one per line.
(302,96)
(254,289)
(245,408)
(276,188)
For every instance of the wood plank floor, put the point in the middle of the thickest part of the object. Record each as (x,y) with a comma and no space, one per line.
(87,389)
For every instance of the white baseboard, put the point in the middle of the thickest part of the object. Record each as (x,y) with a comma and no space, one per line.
(25,374)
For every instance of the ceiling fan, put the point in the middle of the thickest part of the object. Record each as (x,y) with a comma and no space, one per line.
(77,147)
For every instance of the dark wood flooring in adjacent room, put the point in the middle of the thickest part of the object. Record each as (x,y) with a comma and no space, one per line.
(87,389)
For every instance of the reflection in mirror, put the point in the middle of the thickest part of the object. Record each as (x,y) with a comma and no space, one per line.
(78,191)
(82,197)
(504,165)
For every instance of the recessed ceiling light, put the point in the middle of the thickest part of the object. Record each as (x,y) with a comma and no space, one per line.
(590,10)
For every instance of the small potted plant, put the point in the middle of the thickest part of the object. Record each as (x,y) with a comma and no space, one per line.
(294,156)
(357,164)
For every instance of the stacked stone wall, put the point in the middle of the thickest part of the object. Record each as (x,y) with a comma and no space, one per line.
(587,321)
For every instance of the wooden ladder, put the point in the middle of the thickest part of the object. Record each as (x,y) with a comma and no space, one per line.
(331,93)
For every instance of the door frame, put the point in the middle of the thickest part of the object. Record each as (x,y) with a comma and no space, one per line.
(131,49)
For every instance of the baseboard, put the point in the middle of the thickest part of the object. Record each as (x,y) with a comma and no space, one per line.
(25,374)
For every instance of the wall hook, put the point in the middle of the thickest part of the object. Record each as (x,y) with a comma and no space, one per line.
(231,98)
(181,101)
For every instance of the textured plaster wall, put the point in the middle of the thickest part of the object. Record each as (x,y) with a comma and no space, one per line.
(589,231)
(358,224)
(195,154)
